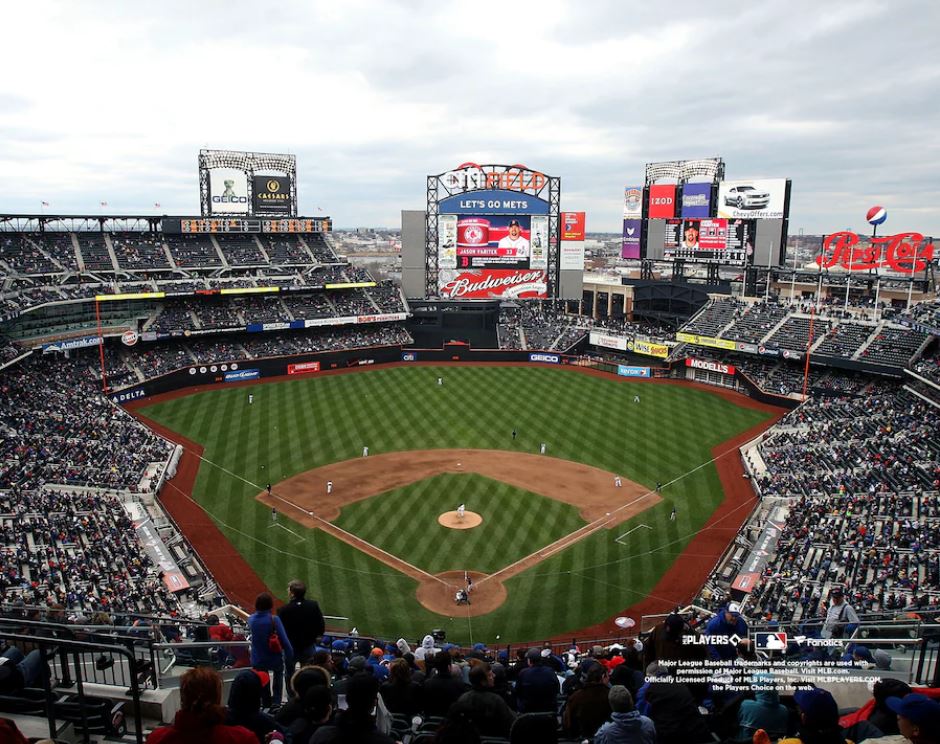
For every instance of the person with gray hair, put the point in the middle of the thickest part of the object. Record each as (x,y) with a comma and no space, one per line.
(626,726)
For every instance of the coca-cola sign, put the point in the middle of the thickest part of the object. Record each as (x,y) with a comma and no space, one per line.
(708,364)
(475,284)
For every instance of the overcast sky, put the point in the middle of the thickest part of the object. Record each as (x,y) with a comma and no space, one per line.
(103,101)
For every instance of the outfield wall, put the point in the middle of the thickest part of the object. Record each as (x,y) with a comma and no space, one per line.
(247,370)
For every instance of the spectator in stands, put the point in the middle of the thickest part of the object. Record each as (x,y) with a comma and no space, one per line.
(918,718)
(841,618)
(486,710)
(665,641)
(244,705)
(267,655)
(765,711)
(442,688)
(315,712)
(201,715)
(304,680)
(303,622)
(626,726)
(672,708)
(537,686)
(727,622)
(881,715)
(400,693)
(356,724)
(588,707)
(819,719)
(19,670)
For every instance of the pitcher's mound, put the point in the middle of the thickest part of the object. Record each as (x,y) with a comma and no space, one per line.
(470,519)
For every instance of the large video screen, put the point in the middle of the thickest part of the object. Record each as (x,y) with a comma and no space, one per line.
(708,241)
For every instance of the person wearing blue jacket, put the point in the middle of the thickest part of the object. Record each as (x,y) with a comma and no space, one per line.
(626,725)
(263,623)
(727,622)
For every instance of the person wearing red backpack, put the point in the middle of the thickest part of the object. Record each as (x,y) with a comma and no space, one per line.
(269,643)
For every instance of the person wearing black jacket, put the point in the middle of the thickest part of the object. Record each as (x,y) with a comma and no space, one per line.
(441,689)
(486,710)
(303,622)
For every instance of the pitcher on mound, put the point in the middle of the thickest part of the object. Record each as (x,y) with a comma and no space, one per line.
(461,510)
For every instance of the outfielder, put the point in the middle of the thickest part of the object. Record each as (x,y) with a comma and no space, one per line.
(365,451)
(251,399)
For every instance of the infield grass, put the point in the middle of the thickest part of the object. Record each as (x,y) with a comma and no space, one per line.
(297,425)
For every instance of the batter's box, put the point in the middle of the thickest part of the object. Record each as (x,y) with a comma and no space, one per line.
(634,529)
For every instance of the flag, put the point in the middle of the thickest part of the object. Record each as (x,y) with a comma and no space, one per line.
(104,204)
(156,204)
(319,209)
(45,204)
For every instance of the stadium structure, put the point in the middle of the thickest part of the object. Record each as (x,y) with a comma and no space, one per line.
(711,451)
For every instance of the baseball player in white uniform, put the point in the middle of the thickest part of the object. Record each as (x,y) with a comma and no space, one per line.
(516,240)
(461,510)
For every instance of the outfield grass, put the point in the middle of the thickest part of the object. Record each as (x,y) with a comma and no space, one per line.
(516,523)
(301,424)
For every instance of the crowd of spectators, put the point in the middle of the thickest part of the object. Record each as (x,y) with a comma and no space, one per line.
(309,305)
(319,248)
(156,360)
(77,551)
(929,365)
(844,340)
(753,322)
(794,334)
(543,325)
(139,251)
(58,429)
(285,250)
(894,346)
(94,252)
(60,247)
(259,309)
(24,256)
(241,250)
(352,302)
(387,295)
(193,251)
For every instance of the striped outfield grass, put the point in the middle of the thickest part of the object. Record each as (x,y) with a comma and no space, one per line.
(301,424)
(516,523)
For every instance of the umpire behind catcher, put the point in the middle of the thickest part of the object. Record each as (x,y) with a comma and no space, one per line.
(303,623)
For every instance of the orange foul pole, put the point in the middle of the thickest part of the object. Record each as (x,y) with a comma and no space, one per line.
(809,345)
(104,376)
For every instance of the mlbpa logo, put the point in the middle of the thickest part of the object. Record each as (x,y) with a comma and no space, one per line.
(770,641)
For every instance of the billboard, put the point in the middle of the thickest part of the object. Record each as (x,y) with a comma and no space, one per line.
(904,253)
(632,235)
(572,225)
(709,365)
(447,241)
(757,199)
(228,191)
(662,201)
(493,201)
(626,371)
(538,234)
(301,367)
(697,200)
(271,195)
(708,241)
(496,241)
(632,201)
(486,284)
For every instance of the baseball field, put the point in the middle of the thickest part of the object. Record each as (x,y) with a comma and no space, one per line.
(559,545)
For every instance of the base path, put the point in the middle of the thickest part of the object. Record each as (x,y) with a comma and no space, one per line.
(600,502)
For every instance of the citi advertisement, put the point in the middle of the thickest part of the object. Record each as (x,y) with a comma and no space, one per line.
(632,202)
(761,199)
(632,236)
(228,191)
(662,201)
(271,194)
(498,242)
(494,201)
(697,200)
(485,284)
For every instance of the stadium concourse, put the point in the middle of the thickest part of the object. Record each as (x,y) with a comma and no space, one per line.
(849,480)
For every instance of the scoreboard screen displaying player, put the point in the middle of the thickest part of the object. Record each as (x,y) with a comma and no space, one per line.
(707,241)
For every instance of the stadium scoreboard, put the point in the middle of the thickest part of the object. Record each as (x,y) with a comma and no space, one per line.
(208,225)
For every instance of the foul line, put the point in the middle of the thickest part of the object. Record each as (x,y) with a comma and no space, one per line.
(278,524)
(617,539)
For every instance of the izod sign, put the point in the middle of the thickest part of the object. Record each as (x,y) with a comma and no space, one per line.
(709,365)
(662,201)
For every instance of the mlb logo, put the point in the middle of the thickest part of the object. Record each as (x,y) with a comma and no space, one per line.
(770,641)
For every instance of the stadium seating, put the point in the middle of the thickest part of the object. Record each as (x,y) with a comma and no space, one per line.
(193,251)
(95,254)
(139,251)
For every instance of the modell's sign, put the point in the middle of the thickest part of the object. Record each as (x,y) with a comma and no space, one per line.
(706,364)
(905,253)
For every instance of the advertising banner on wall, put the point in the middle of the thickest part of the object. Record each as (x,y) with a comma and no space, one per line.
(662,201)
(626,371)
(709,365)
(271,195)
(572,255)
(482,284)
(758,199)
(632,235)
(539,242)
(447,241)
(632,202)
(697,200)
(572,225)
(228,191)
(493,201)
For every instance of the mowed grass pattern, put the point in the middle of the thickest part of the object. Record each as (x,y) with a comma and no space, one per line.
(301,424)
(404,522)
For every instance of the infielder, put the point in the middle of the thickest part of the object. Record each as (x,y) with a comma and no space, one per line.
(329,487)
(672,515)
(542,448)
(273,515)
(461,510)
(365,451)
(617,482)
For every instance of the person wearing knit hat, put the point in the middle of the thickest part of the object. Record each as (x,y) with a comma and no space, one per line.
(626,725)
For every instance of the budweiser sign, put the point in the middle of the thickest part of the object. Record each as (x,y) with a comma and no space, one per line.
(490,283)
(905,253)
(707,364)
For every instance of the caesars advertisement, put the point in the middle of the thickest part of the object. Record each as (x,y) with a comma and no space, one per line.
(493,243)
(271,195)
(708,241)
(228,191)
(760,199)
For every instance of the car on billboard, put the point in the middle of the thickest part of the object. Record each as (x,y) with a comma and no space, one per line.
(747,197)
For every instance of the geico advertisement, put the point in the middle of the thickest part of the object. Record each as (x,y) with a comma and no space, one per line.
(228,191)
